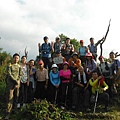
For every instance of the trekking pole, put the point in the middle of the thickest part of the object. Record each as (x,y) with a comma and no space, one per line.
(96,99)
(56,92)
(66,92)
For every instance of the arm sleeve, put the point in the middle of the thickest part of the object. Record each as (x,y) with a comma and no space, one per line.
(51,80)
(105,85)
(20,73)
(93,83)
(46,74)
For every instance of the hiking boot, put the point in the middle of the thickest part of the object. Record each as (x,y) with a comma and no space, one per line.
(18,105)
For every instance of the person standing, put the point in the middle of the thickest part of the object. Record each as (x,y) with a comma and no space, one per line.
(57,46)
(67,49)
(55,83)
(93,47)
(82,51)
(42,81)
(24,82)
(66,91)
(46,49)
(31,87)
(14,74)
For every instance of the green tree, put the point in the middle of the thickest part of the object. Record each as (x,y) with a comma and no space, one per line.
(5,58)
(72,41)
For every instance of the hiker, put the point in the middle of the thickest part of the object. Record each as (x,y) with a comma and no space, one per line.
(115,70)
(24,82)
(105,70)
(99,85)
(74,63)
(14,74)
(90,65)
(32,85)
(67,49)
(42,81)
(55,83)
(78,92)
(93,47)
(59,59)
(57,46)
(82,52)
(46,48)
(65,76)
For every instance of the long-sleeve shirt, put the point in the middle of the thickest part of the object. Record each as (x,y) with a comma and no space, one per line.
(54,78)
(14,73)
(96,86)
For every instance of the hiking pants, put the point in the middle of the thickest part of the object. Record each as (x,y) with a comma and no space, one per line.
(12,97)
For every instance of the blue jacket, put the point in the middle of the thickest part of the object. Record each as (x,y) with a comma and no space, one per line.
(46,49)
(54,78)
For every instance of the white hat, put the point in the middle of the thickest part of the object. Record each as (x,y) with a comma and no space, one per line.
(54,66)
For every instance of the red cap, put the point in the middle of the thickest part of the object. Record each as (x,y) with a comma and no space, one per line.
(100,57)
(41,62)
(89,54)
(81,41)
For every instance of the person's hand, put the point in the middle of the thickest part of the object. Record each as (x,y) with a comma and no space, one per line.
(46,86)
(56,85)
(88,73)
(27,83)
(72,63)
(38,44)
(16,86)
(64,46)
(104,89)
(85,88)
(100,77)
(52,43)
(81,85)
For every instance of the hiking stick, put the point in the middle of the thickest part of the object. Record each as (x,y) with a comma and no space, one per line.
(96,99)
(56,92)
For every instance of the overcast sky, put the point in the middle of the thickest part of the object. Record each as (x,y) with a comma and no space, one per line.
(25,23)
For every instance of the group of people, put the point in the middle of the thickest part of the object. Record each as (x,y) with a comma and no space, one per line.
(62,76)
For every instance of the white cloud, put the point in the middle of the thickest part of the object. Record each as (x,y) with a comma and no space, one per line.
(26,22)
